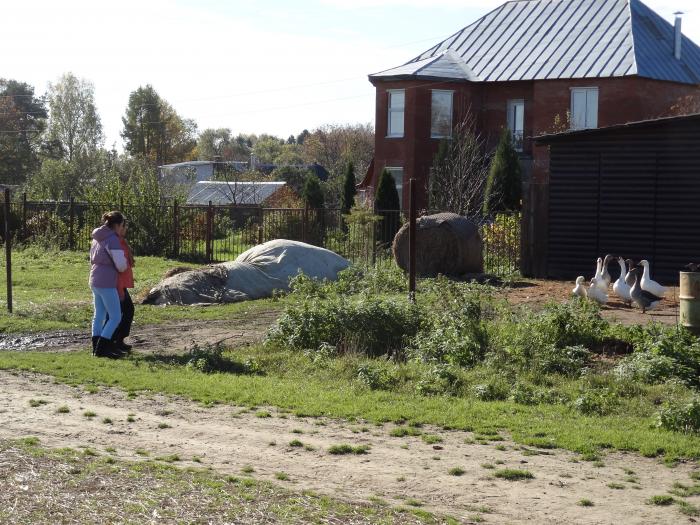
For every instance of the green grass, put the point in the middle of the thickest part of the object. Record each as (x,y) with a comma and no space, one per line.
(513,474)
(404,431)
(584,502)
(344,449)
(292,382)
(63,409)
(282,476)
(295,443)
(661,500)
(42,302)
(456,471)
(431,439)
(37,402)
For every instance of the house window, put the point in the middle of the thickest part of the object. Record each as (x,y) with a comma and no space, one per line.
(441,114)
(516,122)
(397,173)
(397,98)
(584,108)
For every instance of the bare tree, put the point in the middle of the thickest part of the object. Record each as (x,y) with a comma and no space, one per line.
(460,171)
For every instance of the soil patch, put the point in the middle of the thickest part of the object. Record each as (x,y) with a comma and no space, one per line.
(401,470)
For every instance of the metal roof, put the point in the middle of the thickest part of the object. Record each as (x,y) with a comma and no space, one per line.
(243,193)
(558,39)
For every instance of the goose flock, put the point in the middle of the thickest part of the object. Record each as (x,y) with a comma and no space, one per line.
(634,286)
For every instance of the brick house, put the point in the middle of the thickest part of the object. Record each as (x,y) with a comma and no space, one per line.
(525,66)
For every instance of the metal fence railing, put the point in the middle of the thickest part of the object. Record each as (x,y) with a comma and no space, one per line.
(220,233)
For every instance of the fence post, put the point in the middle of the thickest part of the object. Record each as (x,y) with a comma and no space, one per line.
(71,222)
(304,222)
(373,233)
(8,250)
(210,224)
(24,215)
(260,235)
(412,240)
(176,229)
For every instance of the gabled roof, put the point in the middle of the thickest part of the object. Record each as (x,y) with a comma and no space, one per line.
(558,39)
(242,193)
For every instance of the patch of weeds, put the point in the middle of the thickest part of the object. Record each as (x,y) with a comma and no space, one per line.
(616,486)
(405,431)
(297,431)
(404,446)
(309,448)
(163,425)
(499,462)
(92,389)
(375,500)
(89,452)
(110,450)
(348,449)
(513,474)
(263,414)
(37,402)
(413,502)
(130,419)
(629,471)
(598,464)
(63,409)
(164,413)
(469,441)
(662,500)
(695,475)
(401,478)
(585,502)
(632,479)
(30,441)
(476,518)
(247,469)
(684,491)
(590,456)
(502,448)
(89,414)
(282,476)
(488,466)
(456,471)
(687,509)
(431,439)
(170,458)
(436,458)
(196,459)
(106,420)
(296,443)
(142,452)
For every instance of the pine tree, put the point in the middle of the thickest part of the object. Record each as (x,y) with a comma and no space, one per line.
(504,186)
(349,191)
(387,204)
(387,198)
(312,192)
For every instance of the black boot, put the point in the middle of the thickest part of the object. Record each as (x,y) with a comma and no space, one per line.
(106,348)
(121,345)
(94,343)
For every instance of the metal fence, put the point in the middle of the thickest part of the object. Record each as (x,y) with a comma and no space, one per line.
(220,233)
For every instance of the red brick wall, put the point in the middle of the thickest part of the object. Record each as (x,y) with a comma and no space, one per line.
(620,100)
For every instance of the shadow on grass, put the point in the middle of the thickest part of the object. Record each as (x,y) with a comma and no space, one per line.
(209,359)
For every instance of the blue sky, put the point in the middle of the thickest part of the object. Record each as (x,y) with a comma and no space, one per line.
(266,66)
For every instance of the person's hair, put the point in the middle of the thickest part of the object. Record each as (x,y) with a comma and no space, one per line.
(113,217)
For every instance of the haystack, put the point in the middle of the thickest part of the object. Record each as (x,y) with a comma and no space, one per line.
(446,243)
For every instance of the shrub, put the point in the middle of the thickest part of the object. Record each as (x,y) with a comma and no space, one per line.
(368,326)
(440,379)
(568,361)
(680,417)
(646,367)
(375,376)
(595,402)
(494,390)
(677,344)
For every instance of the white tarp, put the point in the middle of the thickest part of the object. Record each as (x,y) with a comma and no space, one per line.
(255,274)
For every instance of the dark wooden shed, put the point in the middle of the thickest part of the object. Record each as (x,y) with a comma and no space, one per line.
(630,190)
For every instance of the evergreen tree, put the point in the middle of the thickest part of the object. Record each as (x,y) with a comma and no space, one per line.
(349,189)
(387,198)
(312,192)
(504,185)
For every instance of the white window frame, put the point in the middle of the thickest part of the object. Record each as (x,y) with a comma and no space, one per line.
(391,110)
(517,135)
(434,135)
(592,104)
(399,183)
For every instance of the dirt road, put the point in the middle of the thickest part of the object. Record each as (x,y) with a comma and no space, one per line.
(396,469)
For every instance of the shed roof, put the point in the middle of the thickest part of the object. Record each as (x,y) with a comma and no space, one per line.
(558,39)
(243,193)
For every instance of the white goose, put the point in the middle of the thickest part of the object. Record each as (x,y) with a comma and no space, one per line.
(621,288)
(605,274)
(580,289)
(596,293)
(649,285)
(598,270)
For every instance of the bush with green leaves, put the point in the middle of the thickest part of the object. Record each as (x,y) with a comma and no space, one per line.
(646,367)
(680,416)
(595,402)
(440,379)
(676,344)
(376,375)
(368,325)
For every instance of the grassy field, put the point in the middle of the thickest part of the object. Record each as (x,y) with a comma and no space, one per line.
(51,292)
(63,485)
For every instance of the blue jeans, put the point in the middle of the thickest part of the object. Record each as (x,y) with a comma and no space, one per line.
(106,302)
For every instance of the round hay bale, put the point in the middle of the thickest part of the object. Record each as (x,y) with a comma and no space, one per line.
(446,243)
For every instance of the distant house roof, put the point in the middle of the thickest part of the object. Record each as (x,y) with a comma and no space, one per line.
(558,39)
(242,193)
(315,168)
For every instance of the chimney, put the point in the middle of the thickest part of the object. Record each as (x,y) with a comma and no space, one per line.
(678,47)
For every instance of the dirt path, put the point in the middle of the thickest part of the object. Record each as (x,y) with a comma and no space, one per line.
(536,293)
(239,330)
(228,439)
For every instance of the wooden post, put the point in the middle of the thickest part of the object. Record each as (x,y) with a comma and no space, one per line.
(176,229)
(71,224)
(210,229)
(8,250)
(412,241)
(304,222)
(24,216)
(260,235)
